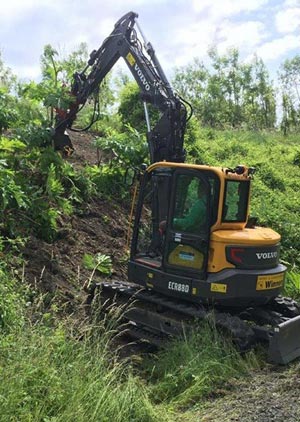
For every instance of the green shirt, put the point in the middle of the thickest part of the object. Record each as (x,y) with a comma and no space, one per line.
(194,219)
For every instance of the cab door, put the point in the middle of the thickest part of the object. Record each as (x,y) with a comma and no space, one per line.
(188,225)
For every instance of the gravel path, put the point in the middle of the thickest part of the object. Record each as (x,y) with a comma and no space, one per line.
(269,395)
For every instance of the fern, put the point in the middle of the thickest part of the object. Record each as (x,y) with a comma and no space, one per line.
(54,187)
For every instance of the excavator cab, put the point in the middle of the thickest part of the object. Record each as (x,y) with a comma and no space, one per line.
(178,205)
(191,239)
(174,220)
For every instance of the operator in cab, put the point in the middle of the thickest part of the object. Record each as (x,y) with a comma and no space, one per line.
(196,216)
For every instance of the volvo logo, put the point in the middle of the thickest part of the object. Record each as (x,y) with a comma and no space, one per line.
(142,77)
(266,255)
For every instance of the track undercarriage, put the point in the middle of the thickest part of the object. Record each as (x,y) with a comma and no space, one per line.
(155,318)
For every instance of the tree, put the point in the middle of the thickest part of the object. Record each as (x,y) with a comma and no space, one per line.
(7,101)
(229,92)
(7,78)
(259,96)
(191,82)
(57,77)
(289,76)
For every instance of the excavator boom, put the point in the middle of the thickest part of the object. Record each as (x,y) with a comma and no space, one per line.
(165,138)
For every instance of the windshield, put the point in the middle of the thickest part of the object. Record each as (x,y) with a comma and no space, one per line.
(236,198)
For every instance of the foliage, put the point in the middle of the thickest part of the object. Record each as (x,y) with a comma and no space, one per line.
(128,148)
(131,108)
(292,285)
(7,113)
(37,186)
(289,76)
(7,78)
(99,262)
(229,94)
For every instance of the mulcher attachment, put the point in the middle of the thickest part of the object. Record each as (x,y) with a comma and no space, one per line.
(62,142)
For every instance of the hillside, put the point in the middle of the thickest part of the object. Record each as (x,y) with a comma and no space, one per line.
(99,226)
(199,379)
(265,394)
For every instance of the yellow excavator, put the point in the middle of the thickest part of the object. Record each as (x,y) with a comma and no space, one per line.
(193,246)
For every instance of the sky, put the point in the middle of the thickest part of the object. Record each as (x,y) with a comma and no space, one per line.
(179,30)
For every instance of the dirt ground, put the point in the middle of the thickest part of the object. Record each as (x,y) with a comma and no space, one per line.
(98,228)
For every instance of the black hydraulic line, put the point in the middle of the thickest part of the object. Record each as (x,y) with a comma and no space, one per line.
(190,107)
(93,120)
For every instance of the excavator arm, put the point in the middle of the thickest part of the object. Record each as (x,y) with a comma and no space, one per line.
(165,138)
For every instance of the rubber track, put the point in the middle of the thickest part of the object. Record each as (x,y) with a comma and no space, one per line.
(165,314)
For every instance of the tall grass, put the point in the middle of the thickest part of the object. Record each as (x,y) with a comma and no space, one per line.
(49,374)
(56,370)
(188,370)
(46,375)
(292,285)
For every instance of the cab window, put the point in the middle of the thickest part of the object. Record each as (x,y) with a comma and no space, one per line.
(192,201)
(235,201)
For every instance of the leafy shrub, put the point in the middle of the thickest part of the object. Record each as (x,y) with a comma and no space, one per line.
(109,181)
(34,135)
(128,148)
(296,159)
(271,177)
(7,113)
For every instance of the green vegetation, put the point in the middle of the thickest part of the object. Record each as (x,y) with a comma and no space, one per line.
(54,370)
(48,374)
(186,372)
(62,371)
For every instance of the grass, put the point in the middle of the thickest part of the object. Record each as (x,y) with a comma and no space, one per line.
(48,375)
(292,285)
(51,372)
(189,370)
